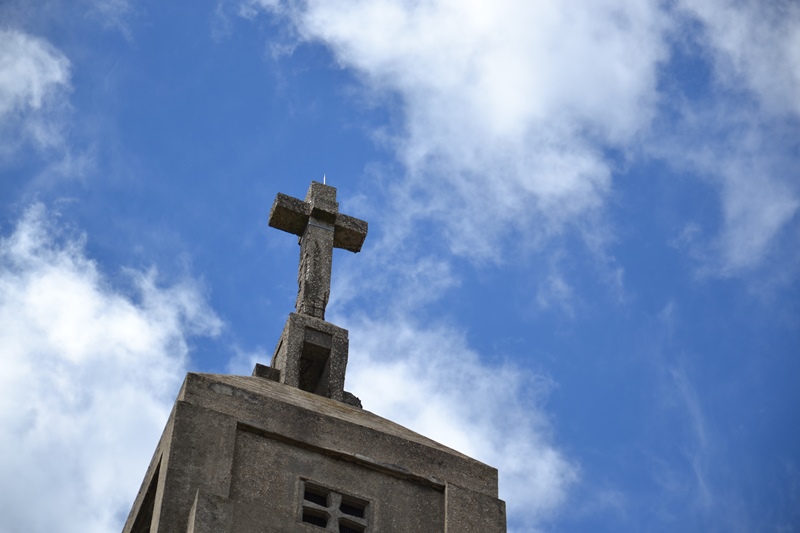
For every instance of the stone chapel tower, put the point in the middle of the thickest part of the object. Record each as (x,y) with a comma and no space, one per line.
(288,449)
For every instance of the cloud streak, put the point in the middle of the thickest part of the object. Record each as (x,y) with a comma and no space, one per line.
(34,82)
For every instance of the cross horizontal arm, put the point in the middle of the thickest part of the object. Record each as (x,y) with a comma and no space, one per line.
(349,233)
(289,214)
(292,216)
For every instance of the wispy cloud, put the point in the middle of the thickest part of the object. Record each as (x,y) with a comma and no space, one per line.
(34,83)
(90,372)
(741,138)
(243,362)
(747,160)
(698,488)
(113,14)
(700,448)
(756,45)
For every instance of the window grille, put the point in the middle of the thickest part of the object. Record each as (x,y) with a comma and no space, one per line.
(333,511)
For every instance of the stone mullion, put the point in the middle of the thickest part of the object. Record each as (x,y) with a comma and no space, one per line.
(334,512)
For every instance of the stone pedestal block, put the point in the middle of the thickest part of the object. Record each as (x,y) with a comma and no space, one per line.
(312,355)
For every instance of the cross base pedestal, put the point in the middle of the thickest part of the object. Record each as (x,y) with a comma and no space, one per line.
(312,355)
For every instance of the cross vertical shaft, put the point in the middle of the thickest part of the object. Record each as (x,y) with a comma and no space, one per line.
(314,272)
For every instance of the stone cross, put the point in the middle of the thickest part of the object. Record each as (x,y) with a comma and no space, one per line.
(321,228)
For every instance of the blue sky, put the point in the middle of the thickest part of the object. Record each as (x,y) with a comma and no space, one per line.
(582,265)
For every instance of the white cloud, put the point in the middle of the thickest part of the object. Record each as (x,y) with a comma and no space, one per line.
(34,81)
(31,71)
(756,44)
(743,140)
(89,375)
(757,206)
(507,106)
(243,362)
(403,280)
(556,292)
(429,380)
(747,159)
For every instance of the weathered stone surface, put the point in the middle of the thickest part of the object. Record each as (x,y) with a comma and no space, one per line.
(266,372)
(336,427)
(321,228)
(467,511)
(289,214)
(412,508)
(312,355)
(209,514)
(243,449)
(351,399)
(349,233)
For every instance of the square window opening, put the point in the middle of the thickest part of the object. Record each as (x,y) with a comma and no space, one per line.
(345,526)
(353,507)
(315,518)
(316,495)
